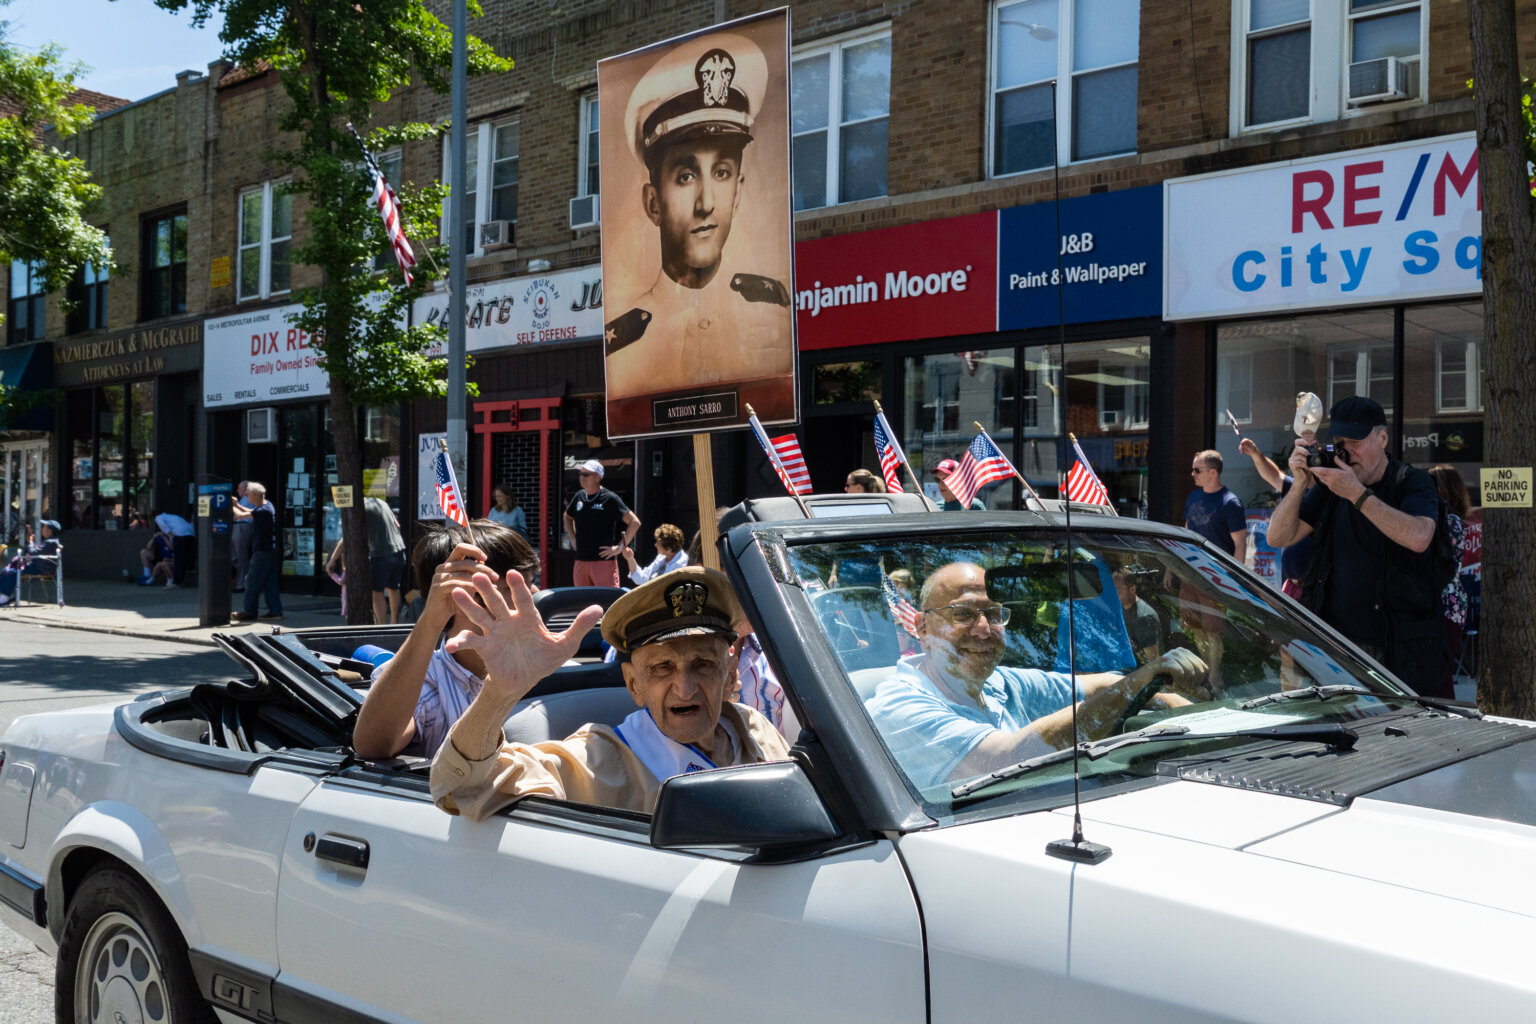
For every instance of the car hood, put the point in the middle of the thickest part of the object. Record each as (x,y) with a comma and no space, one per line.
(1465,831)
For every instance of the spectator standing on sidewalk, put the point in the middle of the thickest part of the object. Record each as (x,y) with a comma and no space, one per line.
(1212,510)
(1372,575)
(941,473)
(386,559)
(1294,557)
(240,539)
(183,545)
(600,526)
(266,567)
(1453,491)
(506,511)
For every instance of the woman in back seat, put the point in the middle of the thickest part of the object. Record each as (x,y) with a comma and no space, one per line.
(420,692)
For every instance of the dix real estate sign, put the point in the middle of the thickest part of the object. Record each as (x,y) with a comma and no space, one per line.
(1394,222)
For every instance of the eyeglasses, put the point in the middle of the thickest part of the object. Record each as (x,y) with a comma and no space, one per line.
(965,615)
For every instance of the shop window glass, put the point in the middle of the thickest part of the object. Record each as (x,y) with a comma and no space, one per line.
(944,395)
(294,495)
(111,412)
(140,482)
(82,459)
(1332,355)
(1443,421)
(1107,394)
(834,383)
(381,455)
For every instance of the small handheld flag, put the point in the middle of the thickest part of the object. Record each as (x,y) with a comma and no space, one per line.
(890,454)
(449,497)
(981,464)
(784,454)
(1233,420)
(902,610)
(388,205)
(1082,484)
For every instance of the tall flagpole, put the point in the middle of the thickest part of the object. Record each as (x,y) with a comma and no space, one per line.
(458,453)
(916,484)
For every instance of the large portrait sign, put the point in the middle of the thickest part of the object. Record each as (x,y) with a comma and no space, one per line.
(698,255)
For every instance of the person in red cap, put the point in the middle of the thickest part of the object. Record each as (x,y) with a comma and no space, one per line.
(941,473)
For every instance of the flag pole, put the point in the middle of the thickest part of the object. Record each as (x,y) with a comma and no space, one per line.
(1032,492)
(916,485)
(1078,452)
(773,456)
(453,478)
(704,484)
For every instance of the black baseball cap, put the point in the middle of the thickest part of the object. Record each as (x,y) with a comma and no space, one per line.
(1355,417)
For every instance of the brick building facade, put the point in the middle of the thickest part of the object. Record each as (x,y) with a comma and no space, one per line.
(1150,93)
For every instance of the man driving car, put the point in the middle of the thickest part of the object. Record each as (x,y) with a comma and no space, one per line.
(673,636)
(953,711)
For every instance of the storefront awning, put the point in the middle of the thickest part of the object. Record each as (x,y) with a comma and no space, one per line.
(26,369)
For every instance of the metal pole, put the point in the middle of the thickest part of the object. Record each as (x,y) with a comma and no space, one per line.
(457,216)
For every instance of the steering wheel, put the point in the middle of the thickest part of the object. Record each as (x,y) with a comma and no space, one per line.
(1139,700)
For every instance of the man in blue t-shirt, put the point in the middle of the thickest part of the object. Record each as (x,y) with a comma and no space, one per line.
(953,711)
(1212,510)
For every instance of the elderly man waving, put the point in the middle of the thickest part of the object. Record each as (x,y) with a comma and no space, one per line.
(673,636)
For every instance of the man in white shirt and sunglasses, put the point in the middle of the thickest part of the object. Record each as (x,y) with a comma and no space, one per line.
(953,711)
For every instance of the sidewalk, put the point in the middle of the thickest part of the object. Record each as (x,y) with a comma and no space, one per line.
(117,606)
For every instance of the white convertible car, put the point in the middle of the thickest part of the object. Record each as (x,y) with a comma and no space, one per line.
(1292,837)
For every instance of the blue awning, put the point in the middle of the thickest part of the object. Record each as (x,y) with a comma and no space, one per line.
(28,368)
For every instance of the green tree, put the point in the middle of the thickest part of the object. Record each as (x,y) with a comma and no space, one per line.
(46,192)
(1506,146)
(336,59)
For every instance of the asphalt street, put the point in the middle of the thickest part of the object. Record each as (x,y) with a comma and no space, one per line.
(47,669)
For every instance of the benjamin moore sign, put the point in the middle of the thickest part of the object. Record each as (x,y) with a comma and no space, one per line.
(1373,225)
(125,355)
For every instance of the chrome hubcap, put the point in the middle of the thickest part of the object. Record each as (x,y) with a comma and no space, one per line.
(119,980)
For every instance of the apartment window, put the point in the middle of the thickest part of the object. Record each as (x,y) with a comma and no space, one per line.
(88,292)
(389,163)
(495,146)
(1320,59)
(266,232)
(1458,376)
(165,262)
(24,316)
(1366,370)
(1090,48)
(841,103)
(587,185)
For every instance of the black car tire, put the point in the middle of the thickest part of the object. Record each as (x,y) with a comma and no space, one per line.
(121,956)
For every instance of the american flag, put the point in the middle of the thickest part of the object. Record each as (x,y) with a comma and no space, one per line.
(901,609)
(981,464)
(797,477)
(890,455)
(784,454)
(1082,484)
(448,496)
(388,205)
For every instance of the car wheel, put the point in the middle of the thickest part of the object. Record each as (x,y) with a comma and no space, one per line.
(121,958)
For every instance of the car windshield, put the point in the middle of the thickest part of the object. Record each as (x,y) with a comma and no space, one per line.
(958,650)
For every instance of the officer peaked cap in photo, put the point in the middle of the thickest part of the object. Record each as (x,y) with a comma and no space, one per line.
(712,86)
(692,601)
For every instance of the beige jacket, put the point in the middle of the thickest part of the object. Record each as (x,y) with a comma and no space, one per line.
(591,766)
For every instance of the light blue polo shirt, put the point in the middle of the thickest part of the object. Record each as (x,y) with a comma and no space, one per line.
(929,735)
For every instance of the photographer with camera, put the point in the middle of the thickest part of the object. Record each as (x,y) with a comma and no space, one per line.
(1373,575)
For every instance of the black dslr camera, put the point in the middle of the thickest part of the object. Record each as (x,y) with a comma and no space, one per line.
(1326,455)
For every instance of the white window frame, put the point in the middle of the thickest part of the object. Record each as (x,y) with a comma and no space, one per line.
(586,154)
(1332,36)
(1472,369)
(1066,21)
(834,46)
(1365,373)
(263,246)
(1135,404)
(478,154)
(1235,369)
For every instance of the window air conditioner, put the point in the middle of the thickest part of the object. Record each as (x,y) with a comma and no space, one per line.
(261,426)
(584,212)
(1381,80)
(1109,417)
(496,234)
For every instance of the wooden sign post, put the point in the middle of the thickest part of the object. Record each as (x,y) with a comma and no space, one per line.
(704,477)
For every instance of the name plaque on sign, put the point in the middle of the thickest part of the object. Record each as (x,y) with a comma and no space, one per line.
(688,409)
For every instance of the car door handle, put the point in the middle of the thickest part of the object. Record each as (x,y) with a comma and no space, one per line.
(351,852)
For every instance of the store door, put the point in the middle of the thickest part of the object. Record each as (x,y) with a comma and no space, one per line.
(835,446)
(26,487)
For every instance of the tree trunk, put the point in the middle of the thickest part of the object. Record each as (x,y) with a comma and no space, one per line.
(1507,645)
(354,522)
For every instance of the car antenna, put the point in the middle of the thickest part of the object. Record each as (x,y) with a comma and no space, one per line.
(1077,849)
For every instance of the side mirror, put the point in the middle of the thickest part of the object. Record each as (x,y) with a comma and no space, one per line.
(756,808)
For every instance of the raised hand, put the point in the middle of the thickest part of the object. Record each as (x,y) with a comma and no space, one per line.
(512,641)
(458,572)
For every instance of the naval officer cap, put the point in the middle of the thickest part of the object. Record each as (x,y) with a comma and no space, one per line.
(692,601)
(707,87)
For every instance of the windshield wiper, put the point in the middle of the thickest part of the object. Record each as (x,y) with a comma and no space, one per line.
(1336,736)
(1347,689)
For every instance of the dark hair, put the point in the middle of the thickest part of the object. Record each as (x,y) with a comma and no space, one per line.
(508,491)
(867,480)
(505,549)
(1453,490)
(696,545)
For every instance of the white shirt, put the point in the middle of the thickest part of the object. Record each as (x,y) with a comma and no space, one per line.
(660,564)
